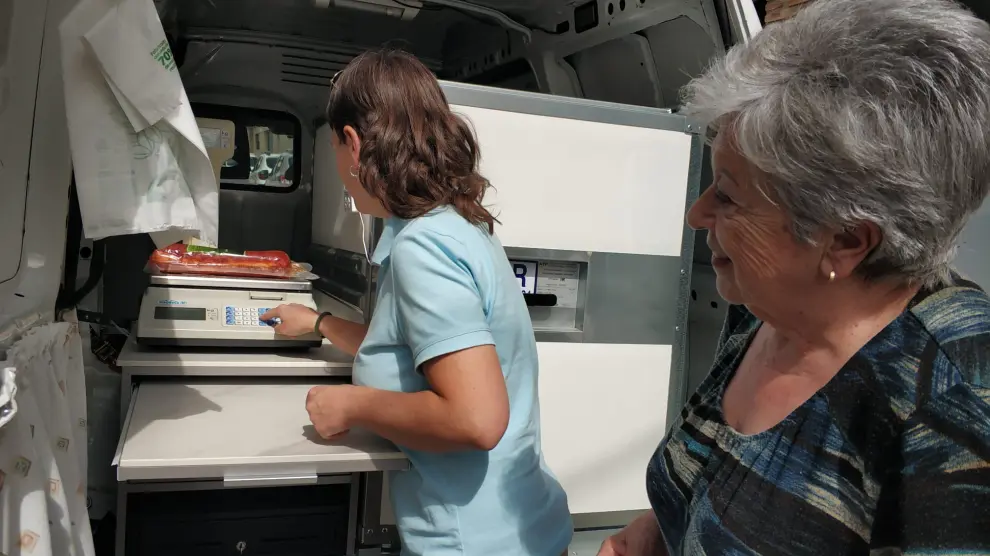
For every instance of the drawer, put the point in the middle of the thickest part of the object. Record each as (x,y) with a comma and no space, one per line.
(284,521)
(245,434)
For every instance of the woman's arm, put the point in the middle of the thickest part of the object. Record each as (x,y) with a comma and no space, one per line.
(346,335)
(467,407)
(642,537)
(298,320)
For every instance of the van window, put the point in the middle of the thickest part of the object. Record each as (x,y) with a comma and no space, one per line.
(265,144)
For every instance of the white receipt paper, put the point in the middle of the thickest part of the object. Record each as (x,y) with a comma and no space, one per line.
(561,279)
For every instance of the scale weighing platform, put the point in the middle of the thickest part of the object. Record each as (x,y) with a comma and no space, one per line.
(215,311)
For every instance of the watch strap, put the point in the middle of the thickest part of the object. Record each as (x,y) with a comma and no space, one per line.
(319,319)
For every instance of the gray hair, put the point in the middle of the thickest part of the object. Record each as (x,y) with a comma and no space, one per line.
(865,111)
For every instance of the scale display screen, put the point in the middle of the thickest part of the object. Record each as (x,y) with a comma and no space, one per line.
(180,313)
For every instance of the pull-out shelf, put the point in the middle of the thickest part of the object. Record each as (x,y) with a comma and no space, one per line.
(228,467)
(243,434)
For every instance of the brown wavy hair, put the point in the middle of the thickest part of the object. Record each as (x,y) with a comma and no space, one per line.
(416,155)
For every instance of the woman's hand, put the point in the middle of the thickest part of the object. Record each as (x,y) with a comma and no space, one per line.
(329,409)
(640,538)
(296,320)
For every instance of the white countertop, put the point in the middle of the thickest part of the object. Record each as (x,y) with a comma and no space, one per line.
(324,360)
(238,432)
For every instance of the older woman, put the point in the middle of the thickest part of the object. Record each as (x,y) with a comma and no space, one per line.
(848,409)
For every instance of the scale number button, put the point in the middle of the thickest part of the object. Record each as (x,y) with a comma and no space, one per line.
(246,316)
(262,311)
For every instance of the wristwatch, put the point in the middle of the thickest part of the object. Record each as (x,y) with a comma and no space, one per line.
(319,319)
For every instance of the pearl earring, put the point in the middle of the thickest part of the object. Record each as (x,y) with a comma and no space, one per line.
(831,276)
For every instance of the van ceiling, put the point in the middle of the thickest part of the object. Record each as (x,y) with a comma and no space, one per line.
(300,18)
(422,35)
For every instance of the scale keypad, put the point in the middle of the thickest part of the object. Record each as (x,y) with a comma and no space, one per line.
(244,316)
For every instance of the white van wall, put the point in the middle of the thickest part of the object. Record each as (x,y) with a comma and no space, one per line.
(20,56)
(34,182)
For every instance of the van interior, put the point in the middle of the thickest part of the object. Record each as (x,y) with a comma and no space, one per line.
(264,67)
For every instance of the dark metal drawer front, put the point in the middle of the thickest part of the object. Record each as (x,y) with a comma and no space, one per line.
(284,521)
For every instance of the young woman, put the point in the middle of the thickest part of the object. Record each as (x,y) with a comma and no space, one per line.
(447,369)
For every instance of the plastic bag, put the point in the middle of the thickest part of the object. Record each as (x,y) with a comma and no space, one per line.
(139,160)
(195,259)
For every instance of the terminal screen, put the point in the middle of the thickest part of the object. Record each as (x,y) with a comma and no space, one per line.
(180,313)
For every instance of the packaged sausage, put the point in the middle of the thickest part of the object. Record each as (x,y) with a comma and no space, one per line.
(179,258)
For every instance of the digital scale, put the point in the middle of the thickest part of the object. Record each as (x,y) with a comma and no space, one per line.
(213,311)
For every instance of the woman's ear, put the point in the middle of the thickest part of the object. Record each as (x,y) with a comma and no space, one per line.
(848,248)
(353,144)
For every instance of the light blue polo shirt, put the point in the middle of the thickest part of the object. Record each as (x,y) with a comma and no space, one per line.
(445,285)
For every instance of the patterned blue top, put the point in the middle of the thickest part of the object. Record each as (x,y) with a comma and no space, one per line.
(893,453)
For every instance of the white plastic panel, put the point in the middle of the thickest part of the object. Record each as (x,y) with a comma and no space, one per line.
(21,33)
(603,411)
(335,224)
(543,168)
(238,433)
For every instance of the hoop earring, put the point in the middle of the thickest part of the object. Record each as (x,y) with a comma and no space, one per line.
(352,171)
(831,276)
